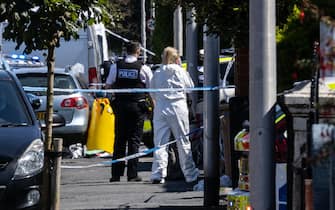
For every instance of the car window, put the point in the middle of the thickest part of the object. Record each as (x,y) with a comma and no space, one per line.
(12,108)
(41,80)
(64,82)
(82,82)
(33,80)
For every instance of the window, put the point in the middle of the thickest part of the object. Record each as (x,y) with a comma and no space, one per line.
(62,81)
(12,106)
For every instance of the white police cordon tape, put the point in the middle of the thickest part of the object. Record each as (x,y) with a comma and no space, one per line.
(133,156)
(126,90)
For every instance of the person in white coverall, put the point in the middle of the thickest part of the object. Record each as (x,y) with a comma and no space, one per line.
(171,114)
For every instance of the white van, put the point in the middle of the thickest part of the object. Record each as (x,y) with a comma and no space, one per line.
(90,49)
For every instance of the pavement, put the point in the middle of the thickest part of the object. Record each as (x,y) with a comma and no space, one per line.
(89,188)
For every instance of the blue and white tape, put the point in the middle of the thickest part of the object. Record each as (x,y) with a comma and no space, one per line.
(126,90)
(129,157)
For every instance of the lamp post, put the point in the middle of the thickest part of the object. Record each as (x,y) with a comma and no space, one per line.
(178,30)
(262,89)
(143,30)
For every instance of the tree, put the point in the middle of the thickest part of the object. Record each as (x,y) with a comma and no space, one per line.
(129,25)
(322,7)
(40,24)
(295,40)
(295,47)
(230,20)
(163,23)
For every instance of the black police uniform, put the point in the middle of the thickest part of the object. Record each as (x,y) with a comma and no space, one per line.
(129,117)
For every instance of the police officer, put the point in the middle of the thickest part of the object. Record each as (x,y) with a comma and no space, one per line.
(129,108)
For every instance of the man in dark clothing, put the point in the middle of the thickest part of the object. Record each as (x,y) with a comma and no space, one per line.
(130,109)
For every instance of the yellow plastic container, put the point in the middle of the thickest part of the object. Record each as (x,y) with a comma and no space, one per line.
(238,200)
(101,132)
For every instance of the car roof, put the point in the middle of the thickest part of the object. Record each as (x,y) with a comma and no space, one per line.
(24,70)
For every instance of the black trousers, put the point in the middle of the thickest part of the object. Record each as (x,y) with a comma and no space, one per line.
(129,119)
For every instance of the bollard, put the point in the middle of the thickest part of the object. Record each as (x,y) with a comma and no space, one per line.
(56,174)
(308,194)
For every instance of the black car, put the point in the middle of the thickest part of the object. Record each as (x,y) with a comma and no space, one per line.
(21,146)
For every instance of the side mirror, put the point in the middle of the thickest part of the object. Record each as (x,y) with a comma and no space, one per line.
(34,100)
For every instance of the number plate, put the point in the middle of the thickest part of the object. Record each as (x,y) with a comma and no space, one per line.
(40,115)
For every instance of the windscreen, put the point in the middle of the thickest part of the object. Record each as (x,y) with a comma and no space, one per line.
(12,105)
(61,81)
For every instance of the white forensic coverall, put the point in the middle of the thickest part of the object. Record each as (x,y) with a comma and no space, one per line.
(171,114)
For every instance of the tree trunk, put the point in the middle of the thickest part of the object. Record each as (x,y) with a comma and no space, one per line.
(48,121)
(50,94)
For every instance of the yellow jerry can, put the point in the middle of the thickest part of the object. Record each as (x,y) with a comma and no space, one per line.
(101,132)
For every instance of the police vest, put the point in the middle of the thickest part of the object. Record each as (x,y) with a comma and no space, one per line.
(128,76)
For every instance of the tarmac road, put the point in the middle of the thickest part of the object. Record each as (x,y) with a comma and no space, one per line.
(90,189)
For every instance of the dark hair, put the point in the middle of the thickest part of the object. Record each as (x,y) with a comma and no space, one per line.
(132,47)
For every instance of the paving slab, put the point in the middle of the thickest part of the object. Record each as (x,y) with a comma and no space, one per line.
(89,188)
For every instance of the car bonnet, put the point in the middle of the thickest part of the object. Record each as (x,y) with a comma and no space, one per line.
(15,140)
(13,143)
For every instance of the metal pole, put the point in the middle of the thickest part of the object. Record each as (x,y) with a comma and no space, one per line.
(211,121)
(56,175)
(178,30)
(143,31)
(153,9)
(331,180)
(152,14)
(262,96)
(1,31)
(191,53)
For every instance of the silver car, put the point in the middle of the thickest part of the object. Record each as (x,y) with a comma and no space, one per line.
(74,105)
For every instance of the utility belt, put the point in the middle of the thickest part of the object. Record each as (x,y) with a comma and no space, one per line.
(131,97)
(142,103)
(145,105)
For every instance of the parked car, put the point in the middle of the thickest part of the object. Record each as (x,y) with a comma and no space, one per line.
(227,91)
(74,105)
(21,146)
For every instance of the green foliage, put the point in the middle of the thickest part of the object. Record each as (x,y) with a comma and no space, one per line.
(40,24)
(162,36)
(295,34)
(130,24)
(295,48)
(327,7)
(229,19)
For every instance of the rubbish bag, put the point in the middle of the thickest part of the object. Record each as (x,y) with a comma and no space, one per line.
(101,132)
(76,150)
